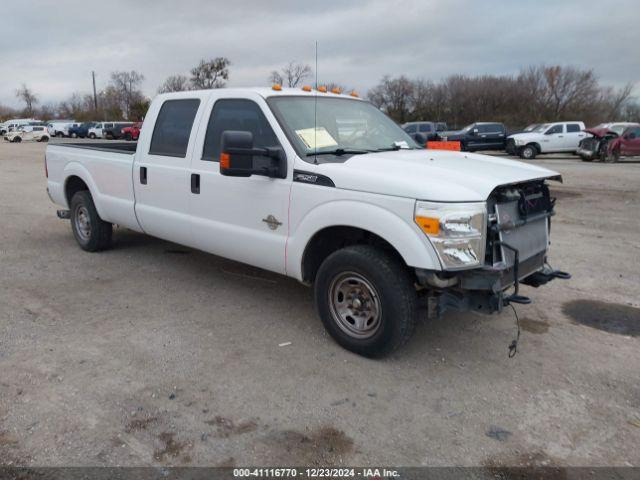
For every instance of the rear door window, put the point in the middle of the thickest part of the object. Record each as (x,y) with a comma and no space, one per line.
(425,127)
(173,126)
(573,128)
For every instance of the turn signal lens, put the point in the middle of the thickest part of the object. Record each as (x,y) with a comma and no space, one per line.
(306,88)
(430,226)
(276,87)
(354,94)
(225,160)
(322,89)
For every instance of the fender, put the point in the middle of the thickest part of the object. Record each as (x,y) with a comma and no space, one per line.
(414,247)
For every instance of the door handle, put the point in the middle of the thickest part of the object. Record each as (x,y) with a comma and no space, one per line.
(143,175)
(560,136)
(195,183)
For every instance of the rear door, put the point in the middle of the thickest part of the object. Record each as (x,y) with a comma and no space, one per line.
(241,218)
(492,135)
(573,136)
(161,172)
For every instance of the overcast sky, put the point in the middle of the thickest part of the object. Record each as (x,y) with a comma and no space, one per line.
(52,46)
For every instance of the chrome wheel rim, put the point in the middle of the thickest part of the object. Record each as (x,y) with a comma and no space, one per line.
(83,223)
(527,152)
(355,305)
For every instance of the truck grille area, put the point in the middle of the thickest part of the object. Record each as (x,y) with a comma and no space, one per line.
(519,219)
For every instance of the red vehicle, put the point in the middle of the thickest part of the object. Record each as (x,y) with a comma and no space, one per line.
(626,145)
(132,132)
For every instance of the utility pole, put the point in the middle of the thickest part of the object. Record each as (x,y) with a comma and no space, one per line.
(95,96)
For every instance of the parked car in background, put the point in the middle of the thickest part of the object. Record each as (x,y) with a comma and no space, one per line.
(625,145)
(595,146)
(60,128)
(96,130)
(81,130)
(114,132)
(132,132)
(14,123)
(37,133)
(547,138)
(423,132)
(477,136)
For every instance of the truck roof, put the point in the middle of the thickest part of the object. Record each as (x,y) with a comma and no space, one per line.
(265,92)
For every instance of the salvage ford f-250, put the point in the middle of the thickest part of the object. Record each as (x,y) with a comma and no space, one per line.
(323,188)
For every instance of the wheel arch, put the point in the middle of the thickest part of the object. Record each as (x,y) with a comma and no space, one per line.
(328,228)
(77,178)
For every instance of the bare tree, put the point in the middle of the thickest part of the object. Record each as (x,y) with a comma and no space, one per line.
(127,85)
(174,83)
(211,74)
(29,98)
(292,74)
(394,96)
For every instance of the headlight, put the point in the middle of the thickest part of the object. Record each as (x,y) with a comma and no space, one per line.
(456,230)
(519,142)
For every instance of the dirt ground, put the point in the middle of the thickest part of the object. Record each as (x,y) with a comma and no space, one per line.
(155,354)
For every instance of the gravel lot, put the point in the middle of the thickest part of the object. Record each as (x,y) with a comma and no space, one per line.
(155,354)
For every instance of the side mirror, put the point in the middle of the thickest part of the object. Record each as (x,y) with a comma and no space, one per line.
(237,157)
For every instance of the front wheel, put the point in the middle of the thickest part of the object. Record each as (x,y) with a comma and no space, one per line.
(90,231)
(17,140)
(92,136)
(612,156)
(59,134)
(366,300)
(528,152)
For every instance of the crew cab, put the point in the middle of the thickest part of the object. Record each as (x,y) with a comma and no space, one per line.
(555,137)
(423,132)
(37,133)
(132,132)
(323,188)
(477,136)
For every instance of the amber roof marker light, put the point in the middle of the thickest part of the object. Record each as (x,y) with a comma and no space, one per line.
(306,88)
(354,94)
(276,87)
(322,89)
(336,90)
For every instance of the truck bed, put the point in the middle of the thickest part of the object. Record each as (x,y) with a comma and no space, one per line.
(116,147)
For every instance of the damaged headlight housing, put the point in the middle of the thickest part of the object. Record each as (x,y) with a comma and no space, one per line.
(456,230)
(519,142)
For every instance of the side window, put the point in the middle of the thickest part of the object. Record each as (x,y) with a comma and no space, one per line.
(573,128)
(425,127)
(484,128)
(555,129)
(236,114)
(411,129)
(173,127)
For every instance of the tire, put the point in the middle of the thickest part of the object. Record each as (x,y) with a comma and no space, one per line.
(528,152)
(612,156)
(17,140)
(586,159)
(128,137)
(92,136)
(90,231)
(378,281)
(59,134)
(74,135)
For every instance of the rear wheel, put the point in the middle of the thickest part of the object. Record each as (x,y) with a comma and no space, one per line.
(90,231)
(586,159)
(59,134)
(366,300)
(44,139)
(17,140)
(528,152)
(92,136)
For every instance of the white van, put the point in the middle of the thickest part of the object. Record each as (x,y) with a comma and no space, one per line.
(60,128)
(13,124)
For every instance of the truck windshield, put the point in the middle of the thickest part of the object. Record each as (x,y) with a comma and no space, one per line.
(337,126)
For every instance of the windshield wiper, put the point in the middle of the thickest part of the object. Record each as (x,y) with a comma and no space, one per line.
(392,148)
(340,151)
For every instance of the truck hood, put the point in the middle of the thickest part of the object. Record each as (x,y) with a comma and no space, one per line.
(436,175)
(600,132)
(527,136)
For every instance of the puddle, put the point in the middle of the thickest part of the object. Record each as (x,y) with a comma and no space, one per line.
(534,326)
(609,317)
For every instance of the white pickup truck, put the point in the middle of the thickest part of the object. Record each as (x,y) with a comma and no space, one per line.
(558,137)
(323,188)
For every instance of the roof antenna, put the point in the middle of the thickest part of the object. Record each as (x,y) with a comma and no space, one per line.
(315,113)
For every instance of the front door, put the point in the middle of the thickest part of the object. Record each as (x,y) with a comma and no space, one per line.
(630,142)
(241,218)
(161,171)
(553,140)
